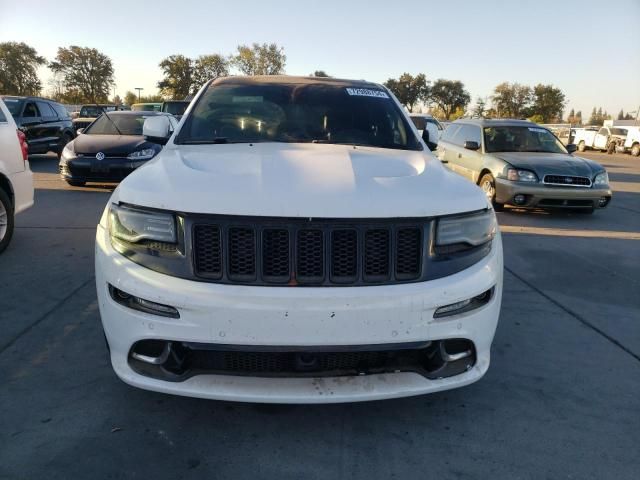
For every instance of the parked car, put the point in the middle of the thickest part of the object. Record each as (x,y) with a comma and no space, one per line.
(45,123)
(16,179)
(602,139)
(109,149)
(429,128)
(631,142)
(175,107)
(88,113)
(295,241)
(147,107)
(517,162)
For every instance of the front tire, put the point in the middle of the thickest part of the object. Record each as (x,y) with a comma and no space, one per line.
(488,185)
(635,150)
(581,146)
(74,183)
(6,220)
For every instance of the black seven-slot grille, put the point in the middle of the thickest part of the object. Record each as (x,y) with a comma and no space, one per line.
(312,252)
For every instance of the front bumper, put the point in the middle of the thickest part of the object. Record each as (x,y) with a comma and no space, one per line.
(549,196)
(88,169)
(295,316)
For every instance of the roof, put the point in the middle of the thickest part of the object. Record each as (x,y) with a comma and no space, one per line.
(24,97)
(99,105)
(494,122)
(136,112)
(292,80)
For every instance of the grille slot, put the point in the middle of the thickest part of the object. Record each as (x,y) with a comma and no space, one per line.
(242,253)
(567,180)
(377,246)
(275,255)
(408,257)
(310,256)
(344,255)
(208,249)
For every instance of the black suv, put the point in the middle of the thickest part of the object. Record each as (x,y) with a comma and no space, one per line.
(45,123)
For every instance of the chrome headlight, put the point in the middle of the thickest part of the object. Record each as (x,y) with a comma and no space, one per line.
(601,179)
(465,232)
(518,175)
(144,154)
(69,151)
(133,225)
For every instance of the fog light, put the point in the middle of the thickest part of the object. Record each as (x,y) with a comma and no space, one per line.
(464,305)
(519,199)
(603,201)
(142,305)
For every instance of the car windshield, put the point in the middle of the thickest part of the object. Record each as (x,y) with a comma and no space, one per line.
(14,105)
(298,113)
(521,139)
(175,108)
(618,131)
(94,111)
(146,107)
(127,125)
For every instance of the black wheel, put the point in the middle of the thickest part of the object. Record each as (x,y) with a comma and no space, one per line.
(74,183)
(611,148)
(581,146)
(635,150)
(66,138)
(6,220)
(488,185)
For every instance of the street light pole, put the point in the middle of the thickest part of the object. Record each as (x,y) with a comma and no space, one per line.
(139,89)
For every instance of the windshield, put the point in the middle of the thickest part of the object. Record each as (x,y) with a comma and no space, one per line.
(175,108)
(14,105)
(127,124)
(618,131)
(94,111)
(521,139)
(146,107)
(318,113)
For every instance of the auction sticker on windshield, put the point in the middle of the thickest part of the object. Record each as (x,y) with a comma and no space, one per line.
(366,92)
(537,130)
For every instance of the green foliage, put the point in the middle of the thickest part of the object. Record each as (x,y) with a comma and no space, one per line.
(511,99)
(409,90)
(480,109)
(178,72)
(265,59)
(621,115)
(548,102)
(536,118)
(208,67)
(598,116)
(319,73)
(449,96)
(84,71)
(18,69)
(130,98)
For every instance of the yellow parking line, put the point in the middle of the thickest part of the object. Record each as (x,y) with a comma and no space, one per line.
(560,232)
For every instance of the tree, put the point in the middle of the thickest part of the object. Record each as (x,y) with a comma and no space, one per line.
(480,108)
(265,59)
(130,98)
(449,95)
(85,70)
(548,102)
(511,100)
(116,100)
(621,115)
(409,90)
(178,73)
(597,117)
(18,69)
(319,73)
(208,67)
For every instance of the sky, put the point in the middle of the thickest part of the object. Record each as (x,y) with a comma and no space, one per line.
(587,48)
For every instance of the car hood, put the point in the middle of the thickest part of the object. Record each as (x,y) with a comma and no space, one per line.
(551,163)
(299,180)
(110,145)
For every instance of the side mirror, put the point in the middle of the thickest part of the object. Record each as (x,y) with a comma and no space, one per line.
(80,131)
(157,129)
(571,148)
(471,145)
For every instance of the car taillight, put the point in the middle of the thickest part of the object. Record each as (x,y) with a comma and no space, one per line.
(22,138)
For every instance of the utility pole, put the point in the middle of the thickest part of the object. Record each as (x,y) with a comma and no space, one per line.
(139,89)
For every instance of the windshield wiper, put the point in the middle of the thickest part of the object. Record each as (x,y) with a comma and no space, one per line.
(214,141)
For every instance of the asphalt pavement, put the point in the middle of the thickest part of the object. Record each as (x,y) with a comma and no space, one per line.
(561,398)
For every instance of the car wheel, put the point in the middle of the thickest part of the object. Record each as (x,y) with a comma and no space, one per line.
(635,150)
(73,183)
(6,220)
(65,139)
(581,146)
(611,148)
(488,186)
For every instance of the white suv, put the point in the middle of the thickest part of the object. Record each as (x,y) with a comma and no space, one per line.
(16,179)
(295,241)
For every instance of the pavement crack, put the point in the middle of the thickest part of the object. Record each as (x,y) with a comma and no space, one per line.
(575,315)
(42,317)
